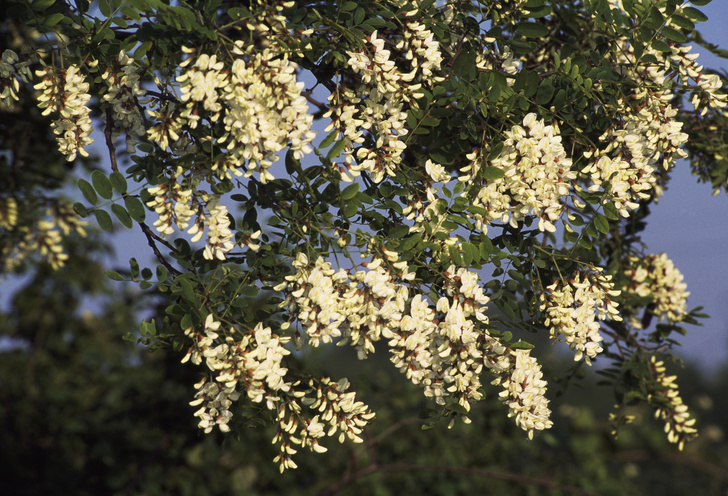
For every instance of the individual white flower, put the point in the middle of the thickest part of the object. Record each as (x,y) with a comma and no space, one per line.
(436,172)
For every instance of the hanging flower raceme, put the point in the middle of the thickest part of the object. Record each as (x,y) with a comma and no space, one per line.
(124,90)
(12,71)
(65,91)
(657,278)
(669,406)
(573,307)
(536,177)
(377,103)
(266,111)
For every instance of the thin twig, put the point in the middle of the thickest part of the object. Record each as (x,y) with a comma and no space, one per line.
(151,239)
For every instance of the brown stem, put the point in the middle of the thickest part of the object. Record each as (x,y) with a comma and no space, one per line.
(152,240)
(108,133)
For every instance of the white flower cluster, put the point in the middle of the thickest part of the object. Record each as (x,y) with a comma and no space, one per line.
(440,349)
(706,86)
(337,407)
(193,209)
(176,204)
(123,91)
(8,213)
(572,310)
(261,105)
(44,238)
(625,168)
(537,177)
(252,362)
(678,424)
(656,277)
(377,103)
(65,91)
(11,68)
(357,307)
(679,62)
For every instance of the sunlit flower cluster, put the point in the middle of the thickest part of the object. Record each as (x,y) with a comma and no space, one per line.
(8,213)
(176,204)
(670,407)
(12,72)
(123,83)
(678,62)
(336,407)
(624,170)
(656,277)
(376,103)
(444,349)
(66,92)
(252,362)
(260,101)
(536,178)
(572,309)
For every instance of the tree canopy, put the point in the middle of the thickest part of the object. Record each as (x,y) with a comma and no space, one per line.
(442,183)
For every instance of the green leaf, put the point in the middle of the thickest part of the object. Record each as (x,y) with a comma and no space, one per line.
(455,255)
(328,140)
(601,223)
(661,46)
(162,273)
(41,5)
(80,209)
(336,149)
(531,30)
(104,220)
(118,182)
(88,191)
(398,232)
(464,65)
(694,14)
(610,211)
(249,291)
(135,208)
(122,215)
(53,19)
(102,185)
(682,22)
(113,275)
(350,192)
(700,3)
(359,16)
(492,173)
(673,34)
(521,345)
(410,242)
(472,252)
(545,92)
(186,290)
